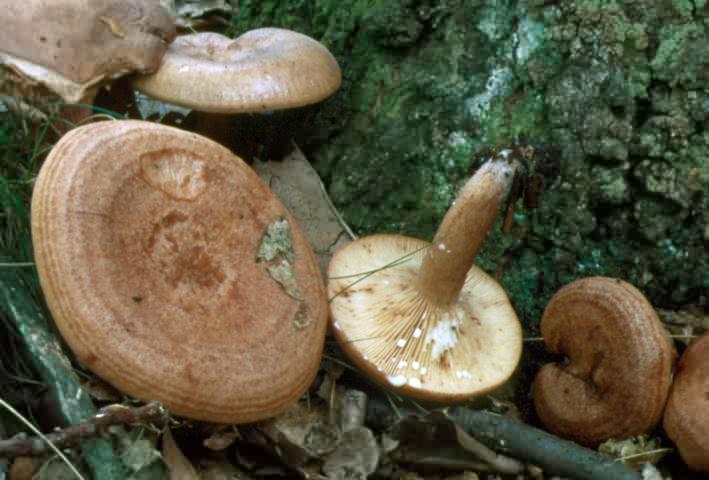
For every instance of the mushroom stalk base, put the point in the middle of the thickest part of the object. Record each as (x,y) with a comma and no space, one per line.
(463,230)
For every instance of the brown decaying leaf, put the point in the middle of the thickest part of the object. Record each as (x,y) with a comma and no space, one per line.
(298,186)
(178,465)
(221,440)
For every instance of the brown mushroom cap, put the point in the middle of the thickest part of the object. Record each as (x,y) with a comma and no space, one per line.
(174,273)
(263,69)
(409,344)
(70,46)
(420,318)
(619,366)
(686,419)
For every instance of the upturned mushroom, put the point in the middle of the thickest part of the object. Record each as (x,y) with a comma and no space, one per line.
(686,418)
(618,371)
(69,48)
(420,318)
(264,69)
(175,274)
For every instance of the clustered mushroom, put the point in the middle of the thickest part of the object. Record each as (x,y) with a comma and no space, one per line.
(618,371)
(70,48)
(175,274)
(420,318)
(686,418)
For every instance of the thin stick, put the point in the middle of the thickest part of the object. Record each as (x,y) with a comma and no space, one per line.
(70,436)
(47,441)
(649,453)
(500,463)
(16,264)
(524,442)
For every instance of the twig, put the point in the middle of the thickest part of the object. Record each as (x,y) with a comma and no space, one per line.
(433,440)
(21,445)
(43,438)
(499,463)
(554,455)
(524,442)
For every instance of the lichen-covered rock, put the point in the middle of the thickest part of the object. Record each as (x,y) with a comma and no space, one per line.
(616,87)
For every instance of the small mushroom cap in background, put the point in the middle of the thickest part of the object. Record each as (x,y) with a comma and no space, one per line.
(263,69)
(686,419)
(174,273)
(619,368)
(442,354)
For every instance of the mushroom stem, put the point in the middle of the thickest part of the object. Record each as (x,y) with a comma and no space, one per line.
(463,230)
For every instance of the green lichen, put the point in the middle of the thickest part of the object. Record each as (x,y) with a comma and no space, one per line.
(610,185)
(276,242)
(682,49)
(617,87)
(276,249)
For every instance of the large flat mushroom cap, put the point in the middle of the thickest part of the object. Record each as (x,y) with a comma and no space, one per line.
(409,345)
(174,273)
(263,69)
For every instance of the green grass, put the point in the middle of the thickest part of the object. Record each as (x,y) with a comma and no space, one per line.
(17,169)
(18,151)
(23,315)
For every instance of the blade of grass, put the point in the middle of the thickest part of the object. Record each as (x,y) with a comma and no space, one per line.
(34,429)
(368,273)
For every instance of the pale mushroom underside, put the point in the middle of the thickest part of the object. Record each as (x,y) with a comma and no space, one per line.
(391,332)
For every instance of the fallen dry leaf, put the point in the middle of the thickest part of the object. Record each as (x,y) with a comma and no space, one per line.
(298,186)
(178,465)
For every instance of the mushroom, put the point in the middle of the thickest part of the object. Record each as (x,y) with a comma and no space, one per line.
(175,274)
(618,373)
(69,48)
(262,70)
(420,318)
(686,419)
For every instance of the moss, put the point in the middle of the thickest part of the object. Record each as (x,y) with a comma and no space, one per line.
(610,185)
(395,24)
(616,86)
(682,55)
(276,250)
